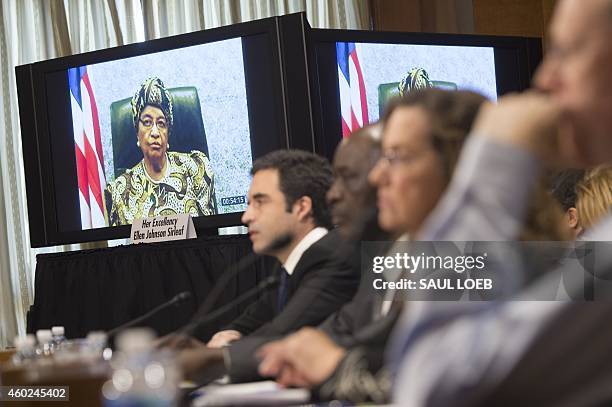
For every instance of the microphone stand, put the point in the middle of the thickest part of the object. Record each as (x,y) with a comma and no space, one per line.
(271,281)
(176,300)
(200,317)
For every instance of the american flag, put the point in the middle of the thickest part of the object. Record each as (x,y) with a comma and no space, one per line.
(353,103)
(87,148)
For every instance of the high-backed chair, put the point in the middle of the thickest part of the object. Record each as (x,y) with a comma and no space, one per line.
(187,131)
(387,91)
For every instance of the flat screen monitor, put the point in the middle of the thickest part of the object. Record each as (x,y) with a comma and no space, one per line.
(151,129)
(358,72)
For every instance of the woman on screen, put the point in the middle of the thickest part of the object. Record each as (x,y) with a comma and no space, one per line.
(163,182)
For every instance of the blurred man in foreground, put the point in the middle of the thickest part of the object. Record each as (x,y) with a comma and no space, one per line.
(522,352)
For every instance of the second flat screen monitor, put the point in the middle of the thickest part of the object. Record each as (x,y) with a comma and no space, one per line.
(370,74)
(358,72)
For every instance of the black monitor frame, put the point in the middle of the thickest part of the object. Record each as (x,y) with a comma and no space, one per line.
(523,52)
(305,106)
(288,117)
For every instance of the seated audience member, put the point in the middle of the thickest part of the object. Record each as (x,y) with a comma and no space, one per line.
(352,203)
(564,190)
(545,220)
(352,200)
(594,196)
(287,198)
(523,352)
(591,188)
(423,135)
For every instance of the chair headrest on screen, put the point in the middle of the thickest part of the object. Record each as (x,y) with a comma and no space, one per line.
(187,133)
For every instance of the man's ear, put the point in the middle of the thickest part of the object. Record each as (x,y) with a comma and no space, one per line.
(303,208)
(572,218)
(574,222)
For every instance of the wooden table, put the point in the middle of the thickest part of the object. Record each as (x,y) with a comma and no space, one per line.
(84,381)
(6,355)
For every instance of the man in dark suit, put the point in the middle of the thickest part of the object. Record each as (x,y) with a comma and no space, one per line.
(287,200)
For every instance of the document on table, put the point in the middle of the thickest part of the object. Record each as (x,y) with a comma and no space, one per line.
(255,394)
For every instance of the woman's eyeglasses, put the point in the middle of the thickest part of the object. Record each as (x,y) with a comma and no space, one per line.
(148,123)
(395,158)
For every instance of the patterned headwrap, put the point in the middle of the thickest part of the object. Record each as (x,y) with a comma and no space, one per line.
(152,92)
(416,78)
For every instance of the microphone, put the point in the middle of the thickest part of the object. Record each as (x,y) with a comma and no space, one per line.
(177,300)
(262,286)
(229,273)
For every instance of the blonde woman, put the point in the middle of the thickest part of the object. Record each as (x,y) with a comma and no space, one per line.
(594,196)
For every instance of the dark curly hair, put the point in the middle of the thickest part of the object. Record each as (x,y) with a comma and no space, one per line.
(301,173)
(564,186)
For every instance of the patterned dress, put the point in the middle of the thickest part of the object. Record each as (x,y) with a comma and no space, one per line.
(187,187)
